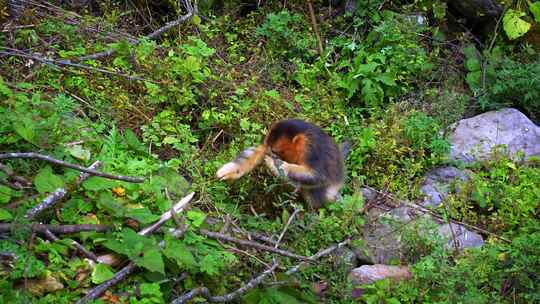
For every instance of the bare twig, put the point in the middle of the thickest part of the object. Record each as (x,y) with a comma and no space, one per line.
(315,27)
(178,207)
(191,10)
(56,229)
(249,234)
(205,293)
(129,268)
(318,255)
(13,176)
(220,236)
(57,63)
(58,194)
(291,218)
(76,244)
(71,166)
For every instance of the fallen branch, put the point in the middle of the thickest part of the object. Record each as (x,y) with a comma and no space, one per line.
(51,160)
(315,27)
(56,229)
(249,234)
(291,218)
(12,175)
(191,9)
(58,194)
(76,244)
(205,293)
(223,237)
(318,255)
(129,268)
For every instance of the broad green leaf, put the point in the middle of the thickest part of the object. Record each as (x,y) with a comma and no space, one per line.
(95,183)
(513,25)
(101,273)
(25,128)
(47,181)
(386,79)
(534,7)
(143,215)
(472,64)
(5,215)
(79,152)
(5,194)
(473,79)
(5,90)
(133,142)
(151,260)
(365,69)
(196,217)
(106,201)
(180,253)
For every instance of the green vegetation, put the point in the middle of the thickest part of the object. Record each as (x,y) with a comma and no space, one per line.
(175,108)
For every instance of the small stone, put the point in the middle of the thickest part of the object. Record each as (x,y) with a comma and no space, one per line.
(368,274)
(463,237)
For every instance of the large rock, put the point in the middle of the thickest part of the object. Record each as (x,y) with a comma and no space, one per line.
(477,10)
(474,138)
(380,241)
(438,182)
(368,274)
(460,237)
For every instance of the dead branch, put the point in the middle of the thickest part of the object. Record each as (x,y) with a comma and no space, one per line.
(318,255)
(56,229)
(129,268)
(58,194)
(61,63)
(289,221)
(76,244)
(249,234)
(223,237)
(191,11)
(437,216)
(71,166)
(205,293)
(13,176)
(315,27)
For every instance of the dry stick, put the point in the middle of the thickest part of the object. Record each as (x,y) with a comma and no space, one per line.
(76,244)
(124,272)
(58,63)
(58,194)
(315,27)
(71,166)
(318,255)
(151,36)
(250,234)
(436,215)
(286,227)
(7,170)
(57,229)
(205,293)
(220,236)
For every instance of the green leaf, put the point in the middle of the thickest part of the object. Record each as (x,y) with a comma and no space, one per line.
(79,152)
(386,78)
(473,79)
(95,183)
(196,217)
(46,181)
(472,64)
(133,142)
(106,201)
(101,273)
(180,253)
(513,25)
(5,194)
(5,90)
(25,128)
(534,7)
(5,215)
(142,215)
(151,260)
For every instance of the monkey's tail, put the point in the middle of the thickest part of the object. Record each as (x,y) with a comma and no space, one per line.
(246,161)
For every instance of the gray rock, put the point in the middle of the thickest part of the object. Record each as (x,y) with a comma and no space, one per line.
(344,259)
(474,138)
(463,237)
(368,274)
(438,182)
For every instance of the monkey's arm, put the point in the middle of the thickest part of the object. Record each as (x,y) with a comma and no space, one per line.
(298,174)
